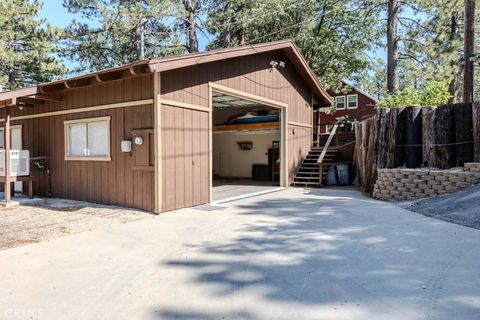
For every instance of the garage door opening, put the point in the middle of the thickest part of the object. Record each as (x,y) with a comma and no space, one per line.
(246,147)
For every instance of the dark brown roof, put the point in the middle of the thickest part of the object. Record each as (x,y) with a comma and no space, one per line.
(176,62)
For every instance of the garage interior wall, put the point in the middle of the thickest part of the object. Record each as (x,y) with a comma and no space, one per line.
(230,161)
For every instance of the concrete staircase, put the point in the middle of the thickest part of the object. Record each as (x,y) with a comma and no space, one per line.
(308,174)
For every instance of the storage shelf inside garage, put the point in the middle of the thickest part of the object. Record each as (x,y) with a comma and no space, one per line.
(247,127)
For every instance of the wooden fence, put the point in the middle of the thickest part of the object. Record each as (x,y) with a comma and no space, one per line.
(442,137)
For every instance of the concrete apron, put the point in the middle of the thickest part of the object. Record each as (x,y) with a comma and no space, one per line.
(247,195)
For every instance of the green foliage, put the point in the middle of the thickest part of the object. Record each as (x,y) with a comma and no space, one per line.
(430,38)
(27,46)
(113,39)
(433,93)
(332,35)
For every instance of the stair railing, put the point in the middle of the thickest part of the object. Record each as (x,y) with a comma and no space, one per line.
(324,151)
(343,120)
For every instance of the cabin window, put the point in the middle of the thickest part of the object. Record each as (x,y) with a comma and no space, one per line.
(340,102)
(88,139)
(352,101)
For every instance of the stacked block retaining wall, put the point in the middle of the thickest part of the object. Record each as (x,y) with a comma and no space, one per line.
(410,184)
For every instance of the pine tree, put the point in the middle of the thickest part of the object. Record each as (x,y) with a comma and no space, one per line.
(119,32)
(332,35)
(27,46)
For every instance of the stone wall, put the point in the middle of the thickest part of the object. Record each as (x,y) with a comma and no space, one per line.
(410,184)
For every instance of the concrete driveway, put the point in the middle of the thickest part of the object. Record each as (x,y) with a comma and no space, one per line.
(294,254)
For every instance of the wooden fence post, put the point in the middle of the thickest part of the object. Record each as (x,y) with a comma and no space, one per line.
(428,136)
(358,152)
(476,130)
(383,138)
(444,130)
(463,134)
(413,137)
(371,160)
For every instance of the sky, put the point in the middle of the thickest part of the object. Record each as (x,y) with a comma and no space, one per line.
(56,14)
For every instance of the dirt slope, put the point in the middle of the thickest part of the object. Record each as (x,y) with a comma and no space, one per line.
(462,207)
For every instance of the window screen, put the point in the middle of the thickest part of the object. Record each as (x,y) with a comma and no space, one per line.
(88,139)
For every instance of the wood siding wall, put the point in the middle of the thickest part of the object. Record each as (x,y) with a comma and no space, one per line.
(184,157)
(251,74)
(113,182)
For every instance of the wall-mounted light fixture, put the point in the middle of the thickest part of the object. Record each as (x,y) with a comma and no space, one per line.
(274,64)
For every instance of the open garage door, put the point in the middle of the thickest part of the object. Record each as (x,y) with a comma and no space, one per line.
(247,146)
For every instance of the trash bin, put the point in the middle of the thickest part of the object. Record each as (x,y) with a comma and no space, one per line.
(331,176)
(342,174)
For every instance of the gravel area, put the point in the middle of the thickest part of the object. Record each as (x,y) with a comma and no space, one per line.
(56,218)
(462,207)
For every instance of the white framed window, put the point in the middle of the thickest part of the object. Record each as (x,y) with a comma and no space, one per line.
(340,103)
(15,137)
(328,128)
(352,101)
(87,139)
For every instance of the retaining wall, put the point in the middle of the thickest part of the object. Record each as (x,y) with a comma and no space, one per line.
(409,184)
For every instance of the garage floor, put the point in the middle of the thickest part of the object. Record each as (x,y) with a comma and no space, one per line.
(225,189)
(294,254)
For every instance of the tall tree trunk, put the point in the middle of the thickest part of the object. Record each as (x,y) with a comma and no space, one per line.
(469,50)
(140,40)
(226,36)
(452,87)
(241,35)
(392,47)
(226,32)
(191,8)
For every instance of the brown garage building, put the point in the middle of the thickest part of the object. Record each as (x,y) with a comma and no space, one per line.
(189,119)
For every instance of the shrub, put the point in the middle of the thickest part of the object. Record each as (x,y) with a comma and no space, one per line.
(433,93)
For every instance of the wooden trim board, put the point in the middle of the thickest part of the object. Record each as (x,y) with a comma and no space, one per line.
(298,124)
(210,144)
(157,141)
(128,104)
(185,105)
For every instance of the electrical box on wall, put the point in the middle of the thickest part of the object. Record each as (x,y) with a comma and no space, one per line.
(126,146)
